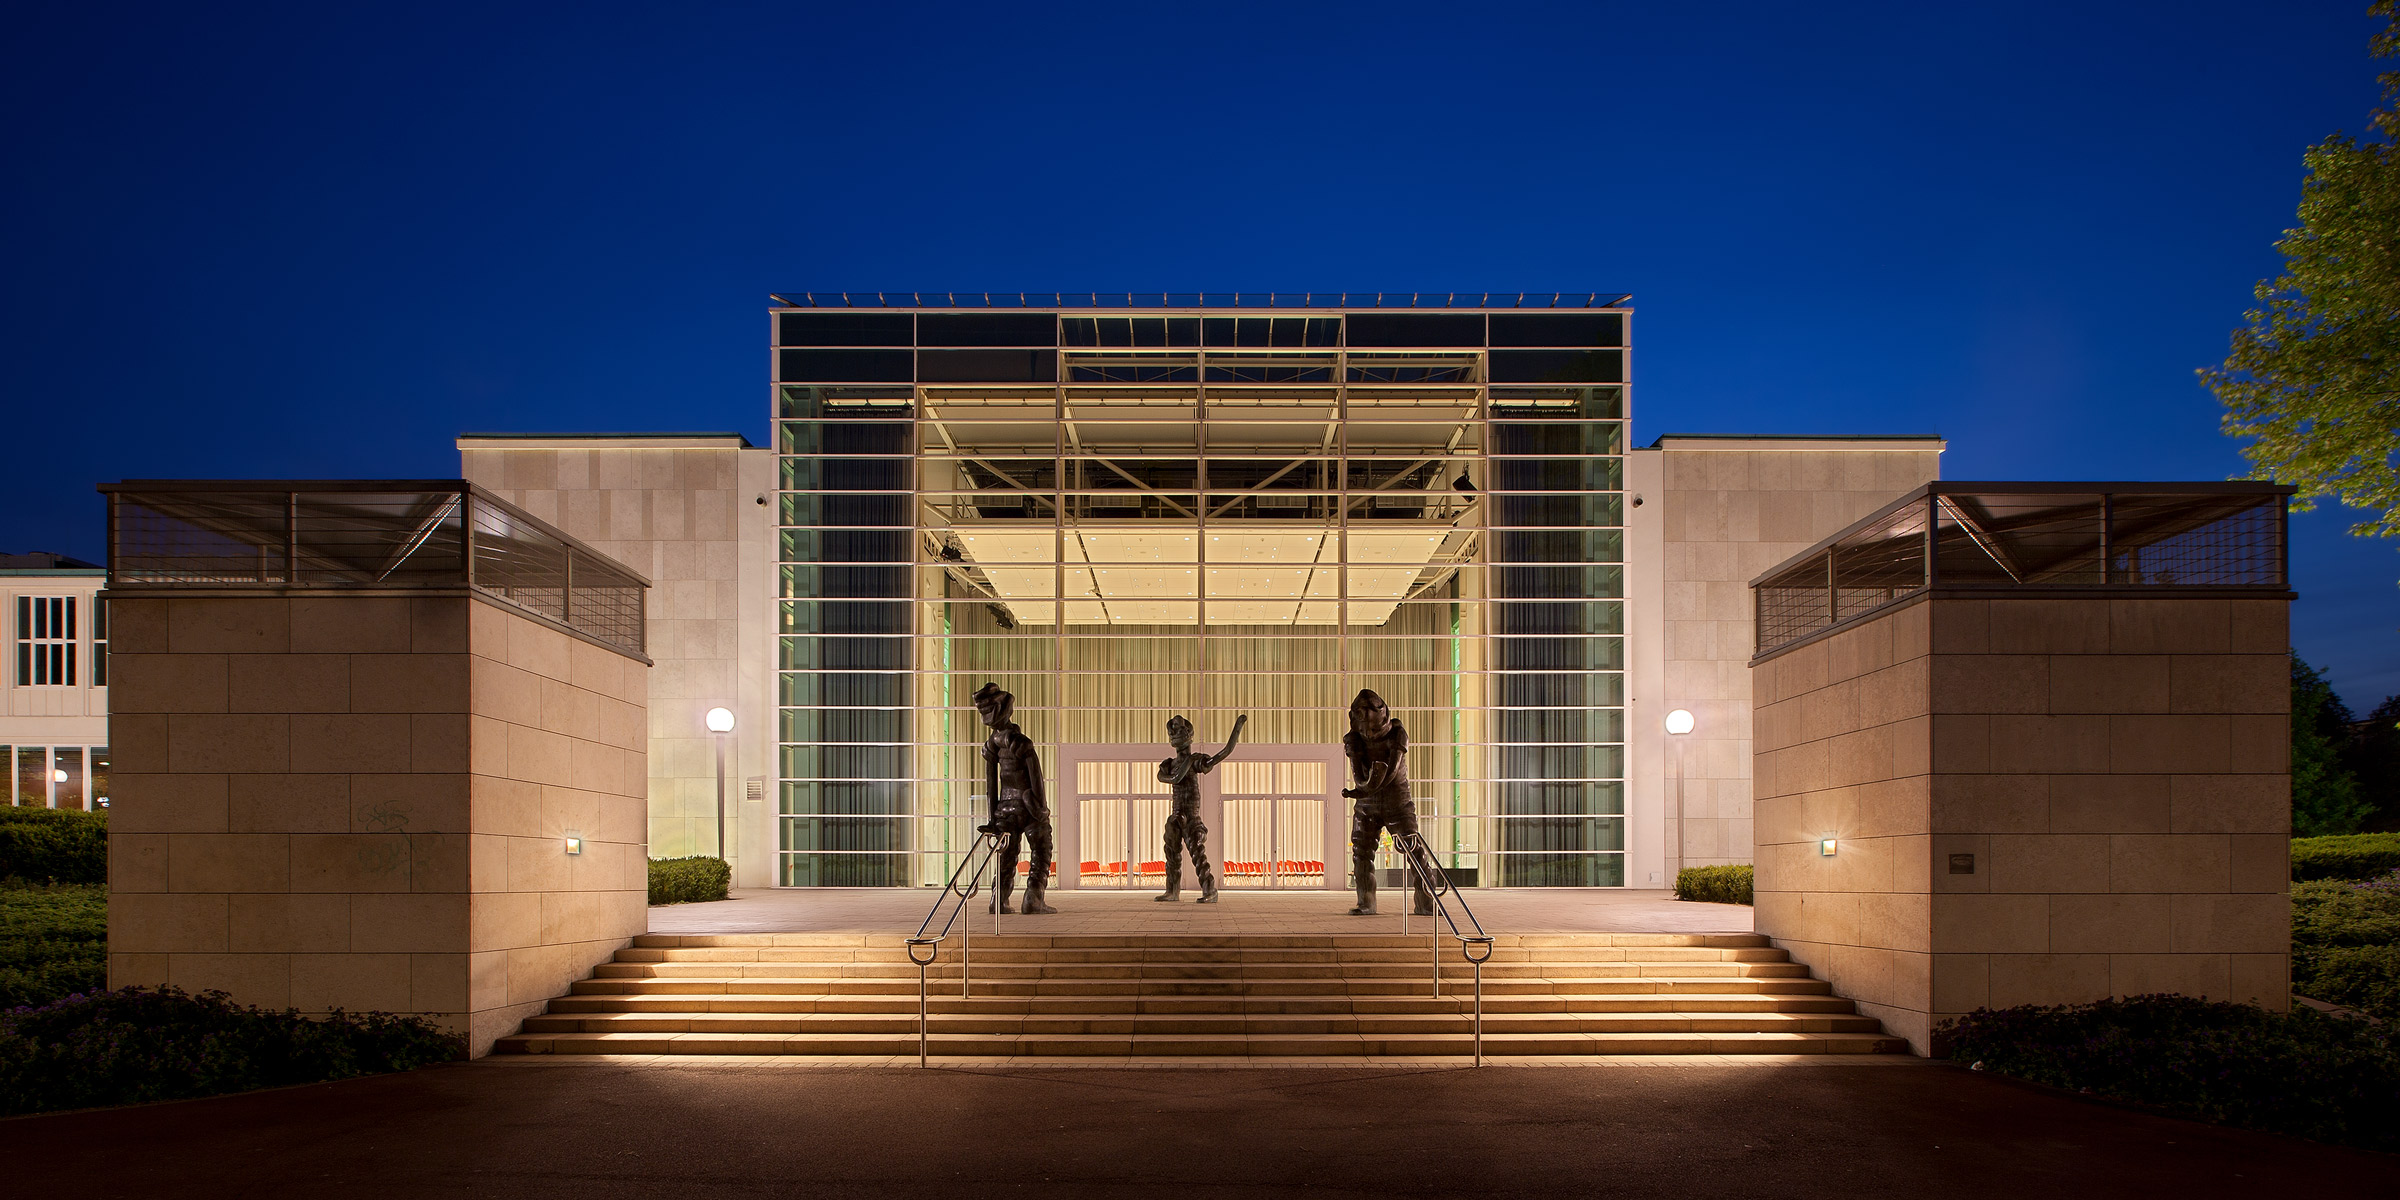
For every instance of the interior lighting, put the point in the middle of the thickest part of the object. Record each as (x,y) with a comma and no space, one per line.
(1826,847)
(1679,722)
(60,775)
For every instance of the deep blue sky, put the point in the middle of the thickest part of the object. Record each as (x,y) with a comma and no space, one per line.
(320,240)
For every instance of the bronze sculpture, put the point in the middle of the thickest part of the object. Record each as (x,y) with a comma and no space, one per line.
(1378,750)
(1183,772)
(1012,773)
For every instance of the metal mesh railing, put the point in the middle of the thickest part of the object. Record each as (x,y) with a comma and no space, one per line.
(359,535)
(2027,536)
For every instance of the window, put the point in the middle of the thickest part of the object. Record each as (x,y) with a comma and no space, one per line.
(99,644)
(45,641)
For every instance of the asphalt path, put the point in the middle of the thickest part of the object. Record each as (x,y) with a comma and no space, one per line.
(719,1129)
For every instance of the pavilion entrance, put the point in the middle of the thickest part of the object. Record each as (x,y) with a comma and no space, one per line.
(1273,813)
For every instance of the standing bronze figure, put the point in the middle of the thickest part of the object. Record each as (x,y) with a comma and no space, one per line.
(1184,829)
(1012,773)
(1378,750)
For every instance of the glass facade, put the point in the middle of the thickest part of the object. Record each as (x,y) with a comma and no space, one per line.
(1123,516)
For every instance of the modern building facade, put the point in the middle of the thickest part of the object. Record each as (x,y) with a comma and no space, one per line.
(54,706)
(1126,508)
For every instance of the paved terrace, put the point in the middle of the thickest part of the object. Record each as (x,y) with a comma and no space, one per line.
(897,910)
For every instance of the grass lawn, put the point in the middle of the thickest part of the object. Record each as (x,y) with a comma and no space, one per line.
(53,941)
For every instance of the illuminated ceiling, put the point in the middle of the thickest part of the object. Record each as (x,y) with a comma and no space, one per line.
(1153,576)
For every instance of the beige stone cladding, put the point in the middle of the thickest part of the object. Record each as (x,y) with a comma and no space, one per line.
(362,803)
(2035,800)
(683,510)
(1726,509)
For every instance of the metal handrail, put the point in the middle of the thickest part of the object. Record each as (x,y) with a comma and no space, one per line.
(1418,859)
(986,851)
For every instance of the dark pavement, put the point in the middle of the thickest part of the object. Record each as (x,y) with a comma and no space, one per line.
(752,1130)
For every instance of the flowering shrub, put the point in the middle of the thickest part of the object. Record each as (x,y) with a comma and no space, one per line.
(53,845)
(681,880)
(140,1044)
(53,942)
(2333,1079)
(1715,885)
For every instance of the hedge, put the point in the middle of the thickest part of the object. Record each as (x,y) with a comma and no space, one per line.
(1714,885)
(53,942)
(2334,1079)
(684,880)
(2346,943)
(137,1045)
(53,845)
(2347,856)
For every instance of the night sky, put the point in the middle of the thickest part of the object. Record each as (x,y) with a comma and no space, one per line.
(322,240)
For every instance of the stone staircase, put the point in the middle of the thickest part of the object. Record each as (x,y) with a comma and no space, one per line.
(1155,996)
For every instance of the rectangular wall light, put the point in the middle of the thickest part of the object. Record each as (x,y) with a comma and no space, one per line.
(1826,847)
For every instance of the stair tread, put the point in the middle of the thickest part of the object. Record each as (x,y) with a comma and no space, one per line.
(1266,996)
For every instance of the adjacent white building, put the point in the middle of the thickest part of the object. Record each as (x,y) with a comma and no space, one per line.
(54,718)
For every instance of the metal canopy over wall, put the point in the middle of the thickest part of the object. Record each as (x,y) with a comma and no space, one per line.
(2015,536)
(366,534)
(1121,516)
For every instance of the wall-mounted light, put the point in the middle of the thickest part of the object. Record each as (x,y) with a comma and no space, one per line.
(1679,722)
(60,775)
(1826,847)
(574,842)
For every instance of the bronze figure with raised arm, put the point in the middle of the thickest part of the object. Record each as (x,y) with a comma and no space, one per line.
(1012,772)
(1378,750)
(1184,829)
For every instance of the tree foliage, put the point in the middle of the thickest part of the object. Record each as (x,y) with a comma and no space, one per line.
(2314,378)
(2325,798)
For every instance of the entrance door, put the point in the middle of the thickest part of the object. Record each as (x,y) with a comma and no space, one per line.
(1113,810)
(1280,818)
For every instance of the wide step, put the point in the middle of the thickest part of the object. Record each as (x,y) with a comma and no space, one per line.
(1142,997)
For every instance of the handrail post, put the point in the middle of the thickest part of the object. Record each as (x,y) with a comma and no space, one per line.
(932,947)
(966,946)
(1478,1011)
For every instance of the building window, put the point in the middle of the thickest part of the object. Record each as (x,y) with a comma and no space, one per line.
(99,644)
(46,641)
(33,776)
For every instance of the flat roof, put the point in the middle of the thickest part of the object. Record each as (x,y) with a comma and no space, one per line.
(1201,300)
(631,440)
(1915,442)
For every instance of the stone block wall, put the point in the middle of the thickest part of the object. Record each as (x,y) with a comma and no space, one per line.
(2036,800)
(329,801)
(1717,512)
(682,509)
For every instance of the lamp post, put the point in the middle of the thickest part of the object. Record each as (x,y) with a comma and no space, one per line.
(720,723)
(1679,723)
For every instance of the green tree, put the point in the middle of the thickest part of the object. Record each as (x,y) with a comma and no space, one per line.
(2314,379)
(2325,795)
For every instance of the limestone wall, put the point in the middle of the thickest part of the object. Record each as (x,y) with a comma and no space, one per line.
(2039,800)
(1716,512)
(683,510)
(328,801)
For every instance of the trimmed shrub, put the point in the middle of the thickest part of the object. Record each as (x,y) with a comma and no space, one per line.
(1714,885)
(2349,856)
(137,1045)
(53,845)
(685,880)
(53,942)
(2304,1073)
(2346,943)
